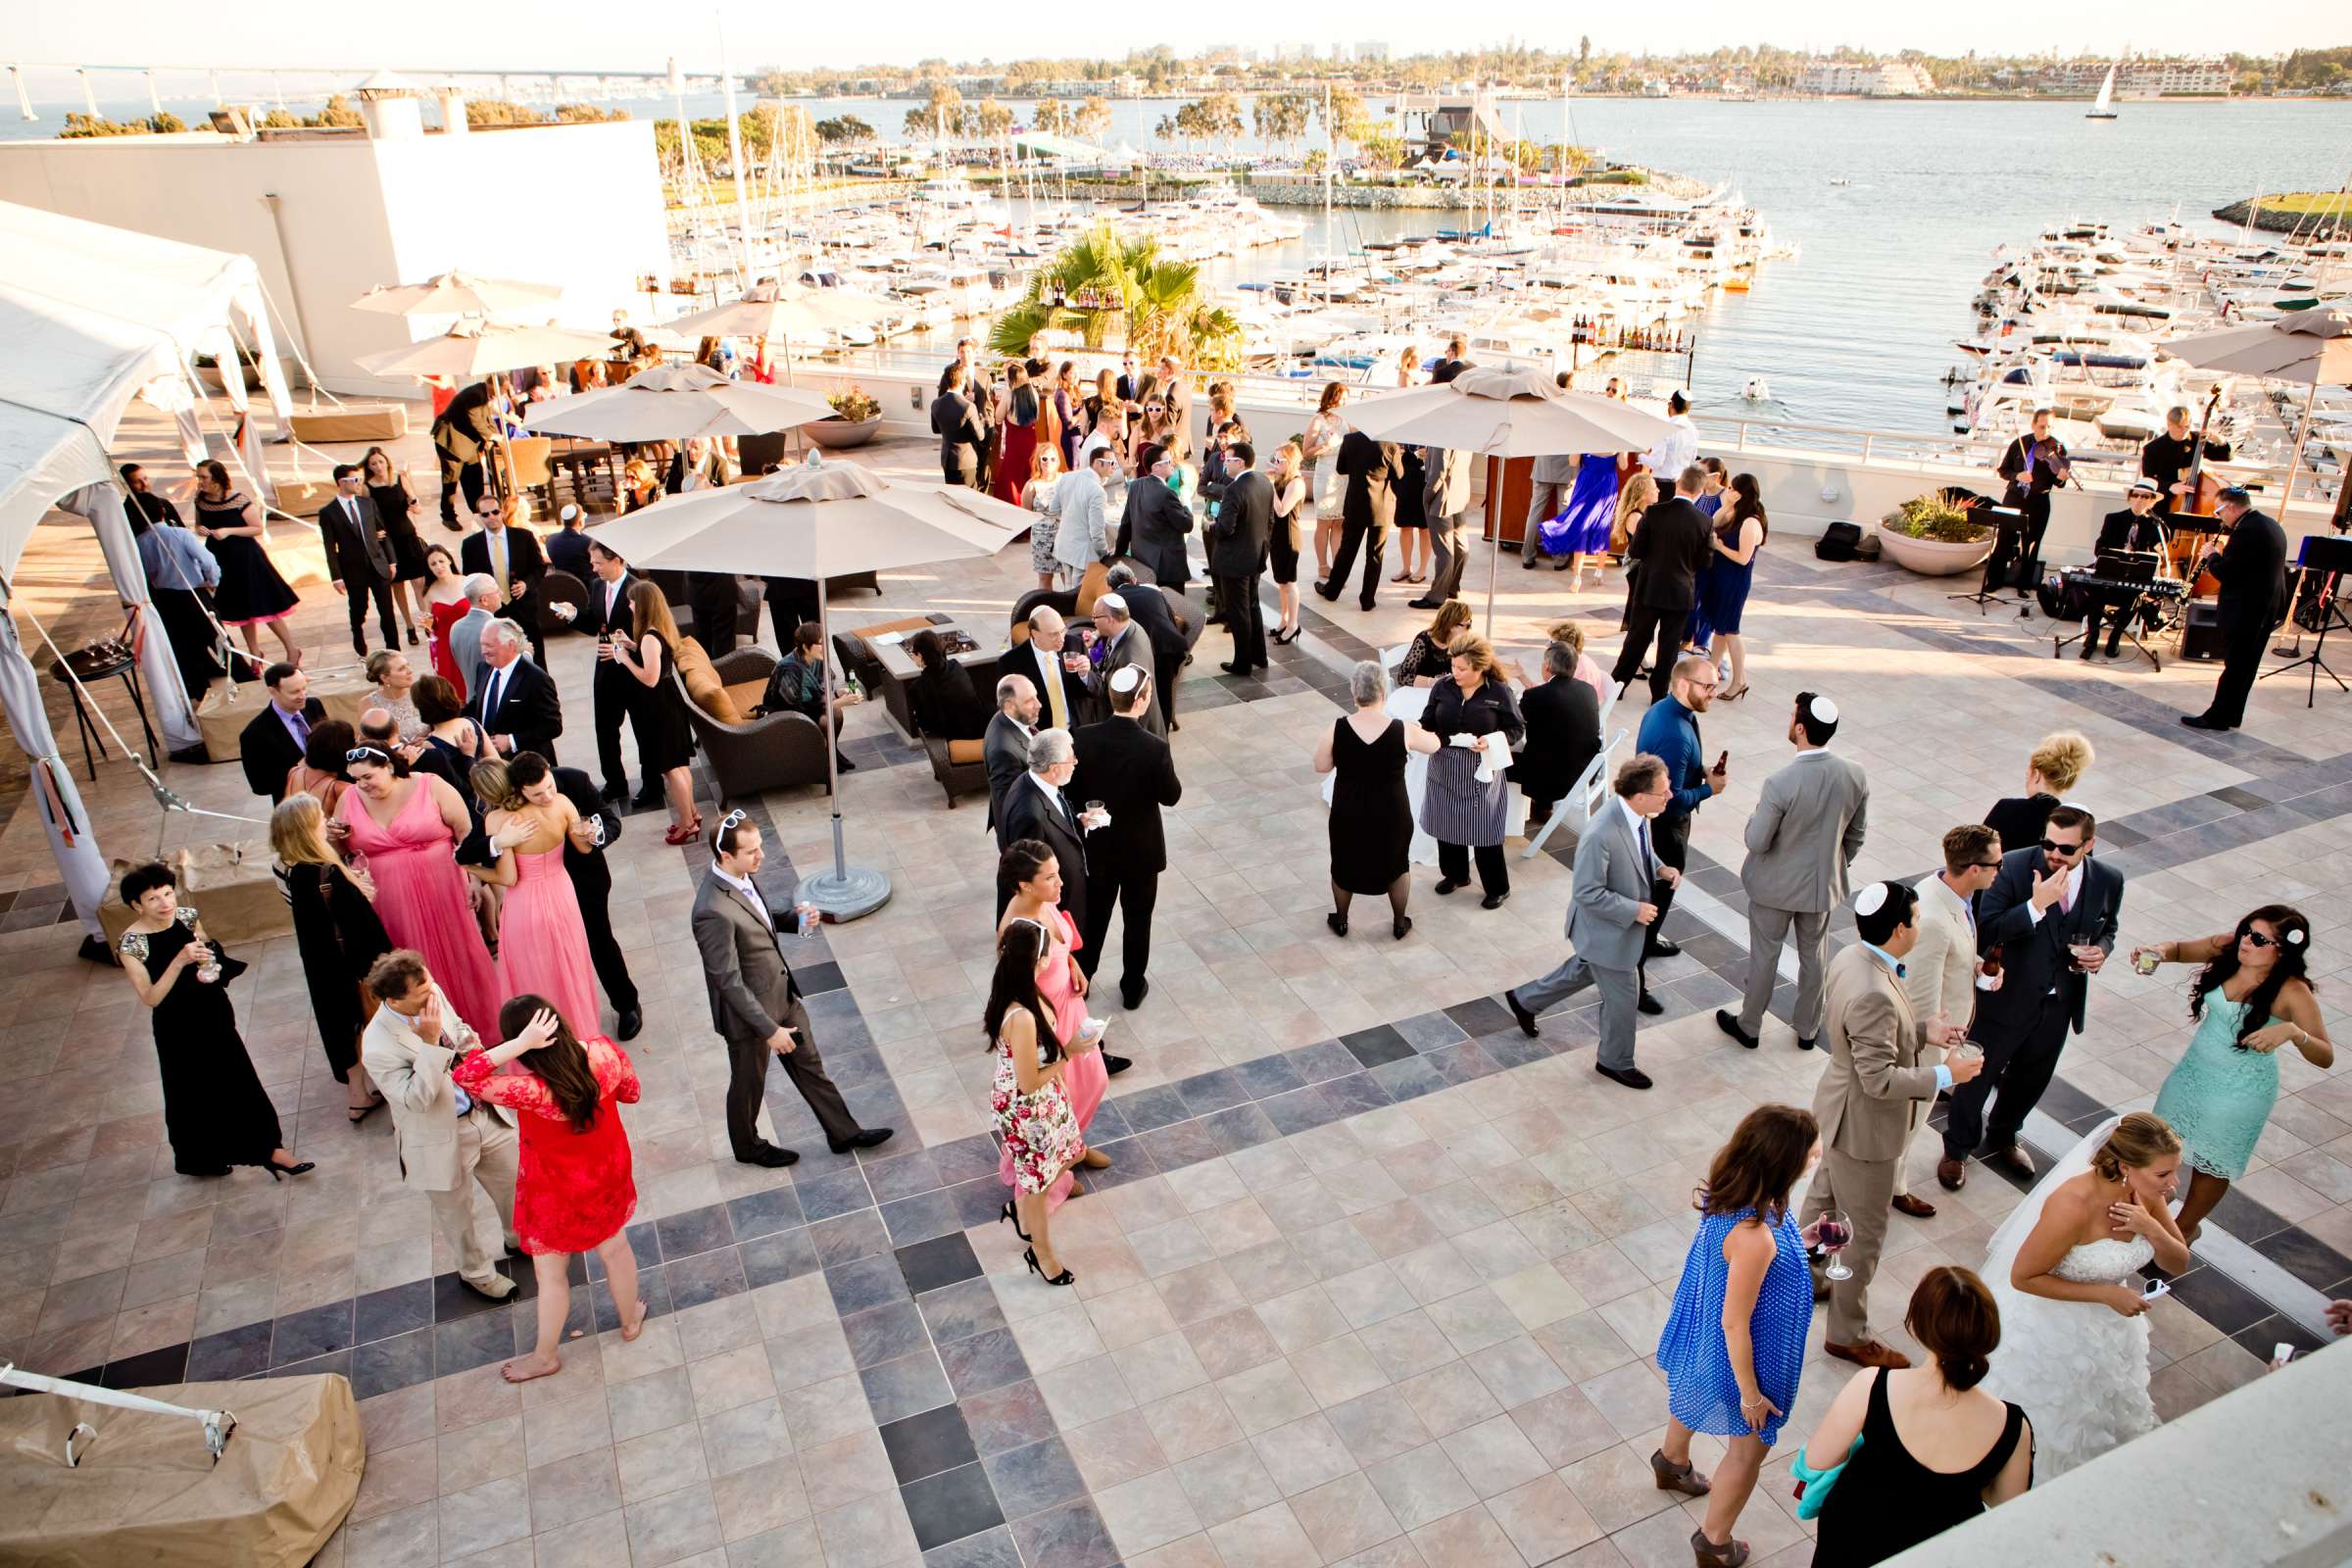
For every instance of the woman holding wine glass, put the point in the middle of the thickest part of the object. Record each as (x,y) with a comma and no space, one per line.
(1734,1345)
(2251,998)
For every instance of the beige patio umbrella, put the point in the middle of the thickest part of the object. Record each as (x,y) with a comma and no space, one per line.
(459,293)
(783,312)
(2310,347)
(473,349)
(818,520)
(678,402)
(1507,413)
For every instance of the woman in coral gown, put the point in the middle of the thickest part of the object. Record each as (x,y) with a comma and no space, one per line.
(575,1187)
(1035,877)
(1025,420)
(446,602)
(542,943)
(404,829)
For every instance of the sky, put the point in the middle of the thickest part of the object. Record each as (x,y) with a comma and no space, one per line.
(613,34)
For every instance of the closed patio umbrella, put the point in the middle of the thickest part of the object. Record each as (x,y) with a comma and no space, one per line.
(818,520)
(678,402)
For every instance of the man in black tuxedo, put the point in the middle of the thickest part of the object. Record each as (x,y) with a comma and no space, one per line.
(608,619)
(511,557)
(271,743)
(1671,542)
(2050,918)
(592,881)
(1037,806)
(1563,735)
(1061,695)
(1367,510)
(1169,629)
(513,699)
(962,432)
(1237,555)
(1127,377)
(1153,524)
(1005,746)
(1133,773)
(2135,528)
(359,557)
(2252,568)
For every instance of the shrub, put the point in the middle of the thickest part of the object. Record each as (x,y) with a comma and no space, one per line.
(855,405)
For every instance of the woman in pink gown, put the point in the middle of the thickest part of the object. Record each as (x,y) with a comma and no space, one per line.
(1035,876)
(406,829)
(542,945)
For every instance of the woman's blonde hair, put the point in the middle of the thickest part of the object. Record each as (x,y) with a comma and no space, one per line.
(2139,1140)
(1451,615)
(1566,631)
(380,663)
(1640,494)
(298,832)
(1474,648)
(493,787)
(2062,759)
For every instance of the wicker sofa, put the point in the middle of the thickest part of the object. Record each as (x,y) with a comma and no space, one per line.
(748,756)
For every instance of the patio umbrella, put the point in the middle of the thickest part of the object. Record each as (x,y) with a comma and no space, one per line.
(471,350)
(2311,347)
(783,310)
(1507,413)
(818,520)
(678,402)
(458,293)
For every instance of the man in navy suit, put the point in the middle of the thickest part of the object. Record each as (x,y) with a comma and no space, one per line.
(513,699)
(359,557)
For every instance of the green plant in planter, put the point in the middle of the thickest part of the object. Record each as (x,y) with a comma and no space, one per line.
(854,406)
(1936,516)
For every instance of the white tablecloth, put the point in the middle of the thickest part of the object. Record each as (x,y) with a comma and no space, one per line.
(1407,702)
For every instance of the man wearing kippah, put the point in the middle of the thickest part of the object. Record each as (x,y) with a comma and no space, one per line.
(1801,841)
(2252,569)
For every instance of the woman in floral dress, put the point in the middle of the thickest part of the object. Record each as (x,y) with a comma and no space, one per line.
(1032,1108)
(1029,868)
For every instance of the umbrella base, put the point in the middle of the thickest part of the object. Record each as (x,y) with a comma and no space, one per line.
(846,895)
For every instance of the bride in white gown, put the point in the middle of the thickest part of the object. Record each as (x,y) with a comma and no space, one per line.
(2065,1270)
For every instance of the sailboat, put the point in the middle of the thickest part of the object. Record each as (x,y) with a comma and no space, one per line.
(2104,108)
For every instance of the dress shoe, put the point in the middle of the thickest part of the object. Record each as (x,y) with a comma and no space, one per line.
(1916,1207)
(1112,1065)
(1527,1020)
(649,798)
(1325,590)
(1527,562)
(1630,1077)
(2012,1158)
(1660,948)
(1493,901)
(1870,1352)
(2200,721)
(613,792)
(865,1139)
(1445,885)
(1807,1042)
(630,1024)
(770,1156)
(1133,992)
(1650,1005)
(359,647)
(1952,1174)
(1241,671)
(498,1288)
(1423,604)
(1729,1022)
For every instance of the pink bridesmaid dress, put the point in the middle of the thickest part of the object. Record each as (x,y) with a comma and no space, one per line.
(421,897)
(1084,1080)
(542,946)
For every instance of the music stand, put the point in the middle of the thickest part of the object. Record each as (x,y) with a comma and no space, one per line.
(2330,557)
(2011,521)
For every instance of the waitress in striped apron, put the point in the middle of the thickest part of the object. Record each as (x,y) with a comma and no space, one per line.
(1459,810)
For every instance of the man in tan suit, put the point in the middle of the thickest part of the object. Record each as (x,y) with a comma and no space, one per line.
(1874,1090)
(1943,965)
(447,1141)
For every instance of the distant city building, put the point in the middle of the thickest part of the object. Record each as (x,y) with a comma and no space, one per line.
(2140,79)
(1372,50)
(1894,78)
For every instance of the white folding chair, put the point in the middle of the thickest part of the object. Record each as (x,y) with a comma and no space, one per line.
(1586,797)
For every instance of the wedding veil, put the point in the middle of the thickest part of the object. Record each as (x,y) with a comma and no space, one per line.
(2000,1254)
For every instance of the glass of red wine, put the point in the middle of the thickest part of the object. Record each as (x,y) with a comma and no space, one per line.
(1835,1232)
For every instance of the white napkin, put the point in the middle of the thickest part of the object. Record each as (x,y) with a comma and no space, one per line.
(1493,755)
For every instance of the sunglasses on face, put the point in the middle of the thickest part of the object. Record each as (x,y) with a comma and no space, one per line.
(2261,941)
(2049,847)
(1984,865)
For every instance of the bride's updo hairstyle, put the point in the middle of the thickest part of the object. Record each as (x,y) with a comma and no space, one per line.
(2141,1138)
(1953,1317)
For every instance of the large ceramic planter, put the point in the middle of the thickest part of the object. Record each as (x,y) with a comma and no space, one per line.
(837,433)
(1934,557)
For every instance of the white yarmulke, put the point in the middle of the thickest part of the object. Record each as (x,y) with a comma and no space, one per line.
(1126,678)
(569,513)
(1824,710)
(1870,899)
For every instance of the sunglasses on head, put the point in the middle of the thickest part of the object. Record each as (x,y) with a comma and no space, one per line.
(734,818)
(367,753)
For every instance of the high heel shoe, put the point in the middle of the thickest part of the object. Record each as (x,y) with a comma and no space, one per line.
(1012,1216)
(412,636)
(1399,926)
(685,834)
(1066,1277)
(1734,695)
(1730,1554)
(1683,1478)
(278,1172)
(1337,923)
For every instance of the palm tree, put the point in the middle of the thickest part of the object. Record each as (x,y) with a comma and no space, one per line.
(1123,291)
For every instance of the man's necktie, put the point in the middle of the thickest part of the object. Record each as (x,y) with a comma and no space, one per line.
(498,689)
(302,729)
(1647,859)
(1054,698)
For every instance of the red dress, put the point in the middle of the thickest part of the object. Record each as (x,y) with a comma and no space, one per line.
(445,662)
(573,1191)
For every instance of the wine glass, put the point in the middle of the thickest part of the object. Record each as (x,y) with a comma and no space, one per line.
(1835,1232)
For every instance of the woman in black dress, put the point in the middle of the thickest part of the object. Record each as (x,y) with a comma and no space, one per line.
(1429,655)
(2056,767)
(252,594)
(658,710)
(1371,815)
(216,1112)
(338,935)
(395,508)
(942,697)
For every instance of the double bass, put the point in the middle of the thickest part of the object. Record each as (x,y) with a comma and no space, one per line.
(2196,496)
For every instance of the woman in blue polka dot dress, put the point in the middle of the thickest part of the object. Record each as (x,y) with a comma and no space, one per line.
(1734,1343)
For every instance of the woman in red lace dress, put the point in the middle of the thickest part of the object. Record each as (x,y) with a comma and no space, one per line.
(575,1191)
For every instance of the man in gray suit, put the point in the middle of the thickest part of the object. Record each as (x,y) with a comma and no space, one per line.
(1124,644)
(756,1002)
(1551,480)
(1801,841)
(1005,746)
(465,637)
(1445,503)
(1615,867)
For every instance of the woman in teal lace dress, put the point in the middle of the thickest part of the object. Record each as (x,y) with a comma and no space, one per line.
(2251,998)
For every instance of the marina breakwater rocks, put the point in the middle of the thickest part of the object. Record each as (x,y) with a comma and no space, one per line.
(2288,220)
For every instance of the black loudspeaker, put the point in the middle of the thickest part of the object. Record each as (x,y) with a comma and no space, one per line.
(1838,541)
(2201,635)
(760,453)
